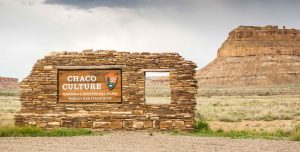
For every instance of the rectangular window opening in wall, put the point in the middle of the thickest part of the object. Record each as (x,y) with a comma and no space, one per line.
(157,88)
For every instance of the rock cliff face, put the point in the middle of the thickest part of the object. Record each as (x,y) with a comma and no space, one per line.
(8,83)
(255,56)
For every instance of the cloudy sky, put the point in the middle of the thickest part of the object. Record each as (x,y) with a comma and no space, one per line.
(30,29)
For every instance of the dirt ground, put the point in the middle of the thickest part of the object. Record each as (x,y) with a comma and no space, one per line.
(142,141)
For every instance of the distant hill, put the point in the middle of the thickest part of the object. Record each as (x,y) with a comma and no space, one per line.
(9,83)
(255,56)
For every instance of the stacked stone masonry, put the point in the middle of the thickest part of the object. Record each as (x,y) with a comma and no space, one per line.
(41,108)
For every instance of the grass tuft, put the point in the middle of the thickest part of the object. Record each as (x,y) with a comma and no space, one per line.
(69,132)
(201,126)
(29,131)
(295,135)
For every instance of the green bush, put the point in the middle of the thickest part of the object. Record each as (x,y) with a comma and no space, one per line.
(29,131)
(201,126)
(295,134)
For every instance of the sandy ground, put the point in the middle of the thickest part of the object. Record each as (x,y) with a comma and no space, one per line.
(141,141)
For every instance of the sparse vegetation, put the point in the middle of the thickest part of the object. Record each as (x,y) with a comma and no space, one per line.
(157,93)
(238,108)
(268,90)
(201,126)
(279,134)
(9,92)
(9,105)
(203,129)
(30,131)
(295,135)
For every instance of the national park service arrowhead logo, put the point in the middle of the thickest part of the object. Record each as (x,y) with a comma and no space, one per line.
(111,80)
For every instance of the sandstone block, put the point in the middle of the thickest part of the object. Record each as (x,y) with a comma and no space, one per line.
(53,123)
(165,124)
(48,67)
(116,125)
(178,124)
(138,124)
(121,113)
(137,112)
(128,124)
(148,124)
(188,123)
(31,123)
(41,124)
(86,124)
(101,124)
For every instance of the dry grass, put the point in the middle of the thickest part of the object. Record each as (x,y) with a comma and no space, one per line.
(9,92)
(282,89)
(157,90)
(157,93)
(238,108)
(9,105)
(260,108)
(258,113)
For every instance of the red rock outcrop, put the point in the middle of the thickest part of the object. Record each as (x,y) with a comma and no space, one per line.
(255,56)
(8,83)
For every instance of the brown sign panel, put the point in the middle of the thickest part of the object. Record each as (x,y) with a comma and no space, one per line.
(89,86)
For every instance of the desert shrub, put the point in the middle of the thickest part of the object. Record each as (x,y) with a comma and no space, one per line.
(295,134)
(201,126)
(220,130)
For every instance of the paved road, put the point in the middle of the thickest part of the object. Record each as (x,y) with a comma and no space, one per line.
(142,142)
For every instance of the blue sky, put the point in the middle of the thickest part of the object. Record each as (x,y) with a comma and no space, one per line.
(31,29)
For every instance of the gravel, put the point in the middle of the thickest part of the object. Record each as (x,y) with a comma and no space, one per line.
(142,141)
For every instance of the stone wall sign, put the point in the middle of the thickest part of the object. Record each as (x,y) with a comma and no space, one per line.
(105,90)
(89,85)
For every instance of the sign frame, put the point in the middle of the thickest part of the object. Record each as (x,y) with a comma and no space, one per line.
(79,68)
